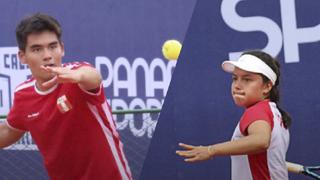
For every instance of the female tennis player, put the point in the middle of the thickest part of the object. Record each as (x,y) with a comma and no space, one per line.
(260,140)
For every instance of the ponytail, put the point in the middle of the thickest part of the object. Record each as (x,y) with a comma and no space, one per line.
(275,97)
(274,94)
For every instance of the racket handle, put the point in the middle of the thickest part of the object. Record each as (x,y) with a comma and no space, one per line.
(294,167)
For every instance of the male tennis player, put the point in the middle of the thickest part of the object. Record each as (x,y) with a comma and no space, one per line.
(64,108)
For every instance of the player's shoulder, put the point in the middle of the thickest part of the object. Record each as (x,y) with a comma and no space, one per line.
(25,85)
(76,64)
(262,108)
(259,106)
(258,111)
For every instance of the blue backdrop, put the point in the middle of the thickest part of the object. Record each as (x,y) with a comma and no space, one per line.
(115,36)
(198,109)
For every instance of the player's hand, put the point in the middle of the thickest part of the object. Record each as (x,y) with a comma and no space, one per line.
(62,75)
(195,153)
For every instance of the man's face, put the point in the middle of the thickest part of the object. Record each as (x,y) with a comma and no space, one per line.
(42,49)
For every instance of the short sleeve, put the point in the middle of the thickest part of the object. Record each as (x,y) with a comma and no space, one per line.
(97,97)
(260,111)
(94,98)
(14,120)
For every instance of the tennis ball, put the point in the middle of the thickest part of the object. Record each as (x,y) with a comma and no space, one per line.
(171,49)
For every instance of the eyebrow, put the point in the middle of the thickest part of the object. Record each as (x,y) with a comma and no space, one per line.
(35,46)
(38,45)
(246,75)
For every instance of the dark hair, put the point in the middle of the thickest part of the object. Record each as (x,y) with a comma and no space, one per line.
(274,93)
(36,23)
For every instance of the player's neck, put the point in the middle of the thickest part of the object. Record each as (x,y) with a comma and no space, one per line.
(42,88)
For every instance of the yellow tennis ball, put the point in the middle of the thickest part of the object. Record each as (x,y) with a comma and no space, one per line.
(171,49)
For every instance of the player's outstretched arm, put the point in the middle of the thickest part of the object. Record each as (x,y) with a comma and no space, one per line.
(8,136)
(90,78)
(87,77)
(258,139)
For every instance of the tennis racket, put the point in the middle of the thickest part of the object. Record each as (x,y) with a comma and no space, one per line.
(311,171)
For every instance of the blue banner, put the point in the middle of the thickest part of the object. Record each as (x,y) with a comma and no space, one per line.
(123,40)
(198,108)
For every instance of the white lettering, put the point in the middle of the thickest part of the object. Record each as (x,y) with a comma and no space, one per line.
(128,83)
(139,124)
(157,84)
(100,63)
(120,120)
(248,24)
(140,62)
(292,35)
(157,76)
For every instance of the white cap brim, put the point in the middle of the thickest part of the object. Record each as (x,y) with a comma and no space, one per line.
(250,63)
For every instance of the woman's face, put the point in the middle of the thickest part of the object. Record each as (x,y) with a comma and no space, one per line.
(248,88)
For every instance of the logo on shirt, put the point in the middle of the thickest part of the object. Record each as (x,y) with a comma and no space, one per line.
(63,104)
(33,115)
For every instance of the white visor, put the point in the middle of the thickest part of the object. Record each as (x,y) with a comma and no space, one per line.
(250,63)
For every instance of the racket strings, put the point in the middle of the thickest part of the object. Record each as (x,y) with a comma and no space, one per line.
(311,171)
